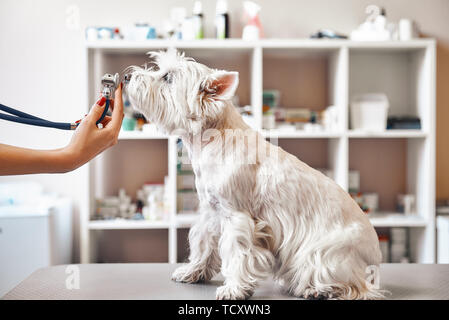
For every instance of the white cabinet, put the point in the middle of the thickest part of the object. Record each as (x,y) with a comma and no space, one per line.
(33,238)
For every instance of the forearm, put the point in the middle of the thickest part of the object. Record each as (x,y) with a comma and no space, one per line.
(15,160)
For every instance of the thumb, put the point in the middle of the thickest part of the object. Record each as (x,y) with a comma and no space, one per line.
(97,109)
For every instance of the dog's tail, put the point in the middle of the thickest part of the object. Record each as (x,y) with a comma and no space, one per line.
(336,266)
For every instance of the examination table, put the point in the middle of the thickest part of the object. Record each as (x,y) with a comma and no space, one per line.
(152,281)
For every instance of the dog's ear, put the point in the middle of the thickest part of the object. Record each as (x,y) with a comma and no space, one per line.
(220,85)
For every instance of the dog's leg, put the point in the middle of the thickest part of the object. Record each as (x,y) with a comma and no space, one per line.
(246,258)
(204,261)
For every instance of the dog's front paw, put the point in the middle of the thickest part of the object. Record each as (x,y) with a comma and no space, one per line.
(187,274)
(228,292)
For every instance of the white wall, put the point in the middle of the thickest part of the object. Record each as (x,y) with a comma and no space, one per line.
(41,62)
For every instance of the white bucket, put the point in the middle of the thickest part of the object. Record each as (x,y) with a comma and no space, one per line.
(369,112)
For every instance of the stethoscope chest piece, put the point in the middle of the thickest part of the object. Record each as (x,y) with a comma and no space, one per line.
(110,83)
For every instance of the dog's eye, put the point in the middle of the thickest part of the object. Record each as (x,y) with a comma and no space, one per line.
(167,77)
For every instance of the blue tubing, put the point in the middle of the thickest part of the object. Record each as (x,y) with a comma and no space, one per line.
(18,113)
(25,118)
(106,108)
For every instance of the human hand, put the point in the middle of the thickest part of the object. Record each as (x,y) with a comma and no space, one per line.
(88,140)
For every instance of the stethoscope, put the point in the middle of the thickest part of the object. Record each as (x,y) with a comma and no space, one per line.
(109,82)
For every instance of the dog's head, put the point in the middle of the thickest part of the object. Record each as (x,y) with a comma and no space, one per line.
(179,93)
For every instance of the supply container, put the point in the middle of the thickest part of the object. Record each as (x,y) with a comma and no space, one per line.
(369,112)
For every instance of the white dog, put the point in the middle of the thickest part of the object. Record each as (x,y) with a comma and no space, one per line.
(263,211)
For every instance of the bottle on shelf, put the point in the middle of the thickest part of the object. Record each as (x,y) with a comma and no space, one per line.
(198,20)
(221,20)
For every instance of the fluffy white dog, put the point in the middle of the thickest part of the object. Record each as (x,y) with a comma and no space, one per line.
(263,211)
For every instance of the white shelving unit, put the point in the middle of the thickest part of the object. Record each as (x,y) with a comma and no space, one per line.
(404,70)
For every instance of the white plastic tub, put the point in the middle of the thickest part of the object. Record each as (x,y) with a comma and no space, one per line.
(369,112)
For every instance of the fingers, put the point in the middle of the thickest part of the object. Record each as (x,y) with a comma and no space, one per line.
(97,109)
(117,113)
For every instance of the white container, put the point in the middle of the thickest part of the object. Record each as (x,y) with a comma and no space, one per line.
(269,121)
(369,112)
(187,201)
(385,249)
(354,181)
(371,201)
(186,181)
(406,30)
(406,204)
(443,239)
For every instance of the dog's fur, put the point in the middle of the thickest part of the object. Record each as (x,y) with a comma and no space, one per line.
(274,215)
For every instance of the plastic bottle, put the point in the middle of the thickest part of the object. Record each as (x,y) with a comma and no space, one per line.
(198,23)
(253,28)
(221,20)
(381,20)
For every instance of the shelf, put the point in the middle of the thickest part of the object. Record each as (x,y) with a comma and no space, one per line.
(237,43)
(163,43)
(121,224)
(391,45)
(388,219)
(299,134)
(138,135)
(185,220)
(387,134)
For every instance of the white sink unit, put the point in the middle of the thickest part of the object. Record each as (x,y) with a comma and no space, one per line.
(314,73)
(33,237)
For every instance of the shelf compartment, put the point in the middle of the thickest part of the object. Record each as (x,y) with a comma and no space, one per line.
(309,77)
(301,75)
(403,74)
(129,165)
(319,153)
(131,245)
(390,167)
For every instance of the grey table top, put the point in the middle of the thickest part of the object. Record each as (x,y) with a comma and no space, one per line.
(152,281)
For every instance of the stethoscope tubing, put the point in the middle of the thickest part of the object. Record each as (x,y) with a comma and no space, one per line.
(26,118)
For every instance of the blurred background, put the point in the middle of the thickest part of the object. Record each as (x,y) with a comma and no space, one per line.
(364,101)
